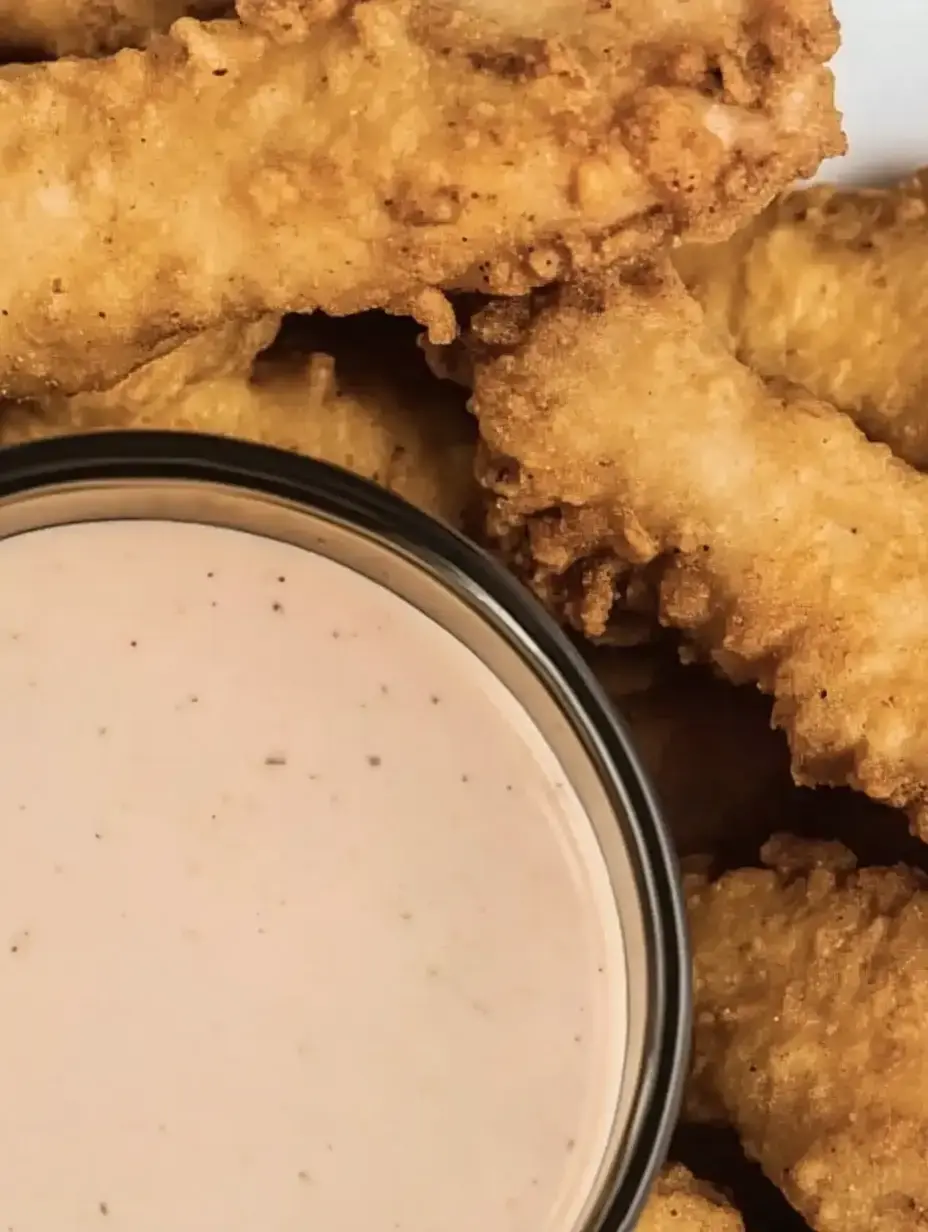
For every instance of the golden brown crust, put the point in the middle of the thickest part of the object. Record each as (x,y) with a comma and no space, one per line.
(369,164)
(811,990)
(289,21)
(788,548)
(151,389)
(39,28)
(827,289)
(370,415)
(681,1203)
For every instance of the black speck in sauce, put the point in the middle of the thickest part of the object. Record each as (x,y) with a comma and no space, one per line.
(434,699)
(275,759)
(303,1176)
(281,579)
(277,607)
(133,643)
(104,1209)
(465,778)
(336,634)
(211,574)
(384,689)
(373,760)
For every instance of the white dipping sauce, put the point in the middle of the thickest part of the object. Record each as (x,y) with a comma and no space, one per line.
(301,929)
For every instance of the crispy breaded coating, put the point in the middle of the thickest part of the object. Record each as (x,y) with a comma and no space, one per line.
(383,424)
(289,21)
(396,149)
(827,289)
(153,388)
(811,994)
(35,28)
(681,1203)
(621,434)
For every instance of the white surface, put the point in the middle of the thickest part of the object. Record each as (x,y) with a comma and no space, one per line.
(882,75)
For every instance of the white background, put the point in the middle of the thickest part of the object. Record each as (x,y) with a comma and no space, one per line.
(882,74)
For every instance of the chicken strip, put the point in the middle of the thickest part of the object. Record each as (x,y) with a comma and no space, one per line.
(376,420)
(228,350)
(811,989)
(827,288)
(36,29)
(680,1203)
(289,21)
(620,433)
(394,150)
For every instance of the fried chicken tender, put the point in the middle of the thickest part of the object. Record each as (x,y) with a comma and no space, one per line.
(396,149)
(384,425)
(38,28)
(827,289)
(153,388)
(289,21)
(680,1203)
(811,992)
(622,435)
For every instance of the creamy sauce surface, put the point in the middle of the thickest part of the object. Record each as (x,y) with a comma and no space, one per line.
(301,928)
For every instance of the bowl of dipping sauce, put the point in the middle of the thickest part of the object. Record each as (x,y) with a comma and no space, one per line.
(333,896)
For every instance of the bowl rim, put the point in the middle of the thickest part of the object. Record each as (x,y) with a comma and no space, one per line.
(473,575)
